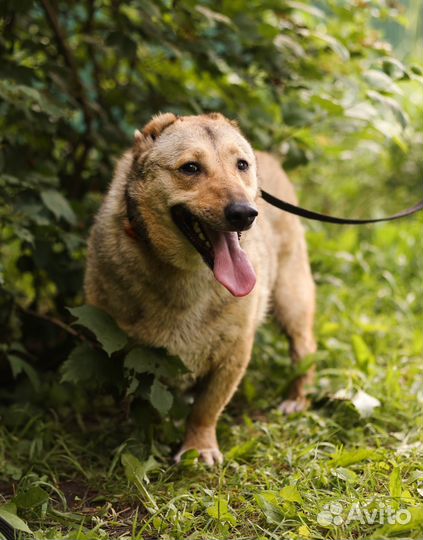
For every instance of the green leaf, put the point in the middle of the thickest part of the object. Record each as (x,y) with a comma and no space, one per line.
(213,16)
(34,496)
(302,6)
(336,46)
(27,98)
(412,521)
(219,510)
(190,457)
(111,337)
(328,104)
(144,360)
(132,386)
(395,486)
(381,81)
(291,494)
(268,504)
(348,457)
(132,13)
(136,472)
(14,521)
(345,474)
(85,364)
(58,205)
(362,353)
(362,111)
(242,450)
(285,42)
(392,104)
(394,68)
(154,360)
(160,397)
(18,365)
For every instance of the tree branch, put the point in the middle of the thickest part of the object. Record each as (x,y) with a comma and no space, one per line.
(67,54)
(54,321)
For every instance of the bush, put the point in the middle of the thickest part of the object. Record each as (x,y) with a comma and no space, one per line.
(77,78)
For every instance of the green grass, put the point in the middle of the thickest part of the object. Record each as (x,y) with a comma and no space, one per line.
(75,465)
(279,473)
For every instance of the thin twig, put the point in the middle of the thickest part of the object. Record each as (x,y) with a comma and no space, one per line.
(54,321)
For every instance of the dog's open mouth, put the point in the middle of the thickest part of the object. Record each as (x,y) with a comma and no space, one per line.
(220,250)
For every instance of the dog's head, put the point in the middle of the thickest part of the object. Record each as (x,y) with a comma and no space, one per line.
(193,184)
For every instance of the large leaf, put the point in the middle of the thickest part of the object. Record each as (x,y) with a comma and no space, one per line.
(86,364)
(160,397)
(111,337)
(145,360)
(34,496)
(268,503)
(153,360)
(58,205)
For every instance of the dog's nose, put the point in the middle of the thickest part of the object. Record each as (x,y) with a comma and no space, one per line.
(240,215)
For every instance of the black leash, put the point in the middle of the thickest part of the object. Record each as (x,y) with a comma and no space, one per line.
(7,530)
(309,214)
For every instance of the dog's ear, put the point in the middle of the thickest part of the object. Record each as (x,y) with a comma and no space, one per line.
(150,132)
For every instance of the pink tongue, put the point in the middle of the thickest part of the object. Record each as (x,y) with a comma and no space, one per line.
(231,266)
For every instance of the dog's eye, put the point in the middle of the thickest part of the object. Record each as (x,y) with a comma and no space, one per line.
(242,165)
(190,168)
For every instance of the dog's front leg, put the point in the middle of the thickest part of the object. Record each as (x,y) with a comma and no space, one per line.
(221,385)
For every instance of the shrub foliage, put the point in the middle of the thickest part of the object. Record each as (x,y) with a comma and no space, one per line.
(78,77)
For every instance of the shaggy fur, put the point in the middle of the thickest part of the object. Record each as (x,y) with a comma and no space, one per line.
(144,272)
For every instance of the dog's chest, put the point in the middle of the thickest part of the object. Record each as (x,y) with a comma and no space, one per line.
(195,331)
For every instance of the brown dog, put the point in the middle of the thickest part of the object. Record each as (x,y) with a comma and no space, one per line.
(171,260)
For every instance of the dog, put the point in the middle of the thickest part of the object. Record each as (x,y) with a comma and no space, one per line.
(185,255)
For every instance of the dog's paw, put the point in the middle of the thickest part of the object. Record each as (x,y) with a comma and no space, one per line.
(291,406)
(210,456)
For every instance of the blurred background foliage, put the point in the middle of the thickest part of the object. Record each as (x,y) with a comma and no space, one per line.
(315,82)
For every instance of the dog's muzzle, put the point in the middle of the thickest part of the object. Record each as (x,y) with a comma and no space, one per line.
(240,216)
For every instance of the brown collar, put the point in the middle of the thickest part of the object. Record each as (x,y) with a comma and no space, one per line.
(129,230)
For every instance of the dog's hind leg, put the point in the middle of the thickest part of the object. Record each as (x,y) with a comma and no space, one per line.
(294,303)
